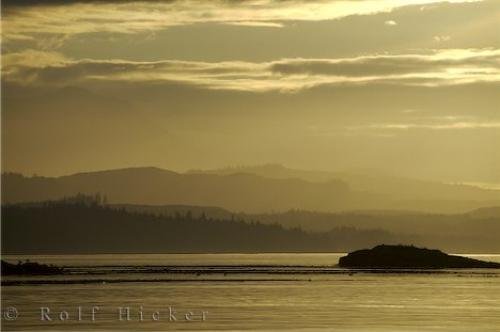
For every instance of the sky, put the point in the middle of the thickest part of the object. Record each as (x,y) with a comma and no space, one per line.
(409,88)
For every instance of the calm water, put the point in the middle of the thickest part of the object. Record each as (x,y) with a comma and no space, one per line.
(263,292)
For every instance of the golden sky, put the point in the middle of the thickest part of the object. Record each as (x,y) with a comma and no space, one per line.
(407,87)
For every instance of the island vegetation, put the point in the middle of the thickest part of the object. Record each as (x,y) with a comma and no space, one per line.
(29,268)
(403,257)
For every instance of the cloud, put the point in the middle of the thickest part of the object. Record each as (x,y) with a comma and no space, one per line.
(440,126)
(390,23)
(409,111)
(432,122)
(33,58)
(377,65)
(23,20)
(441,39)
(429,69)
(257,24)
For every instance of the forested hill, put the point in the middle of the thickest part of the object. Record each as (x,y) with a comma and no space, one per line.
(89,227)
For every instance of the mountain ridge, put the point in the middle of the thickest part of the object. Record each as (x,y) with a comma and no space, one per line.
(362,180)
(243,191)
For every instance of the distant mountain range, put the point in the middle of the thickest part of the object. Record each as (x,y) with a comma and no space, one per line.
(371,181)
(154,186)
(254,190)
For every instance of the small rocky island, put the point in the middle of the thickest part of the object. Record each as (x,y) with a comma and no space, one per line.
(29,268)
(408,257)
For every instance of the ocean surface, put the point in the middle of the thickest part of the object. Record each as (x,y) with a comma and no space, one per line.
(260,292)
